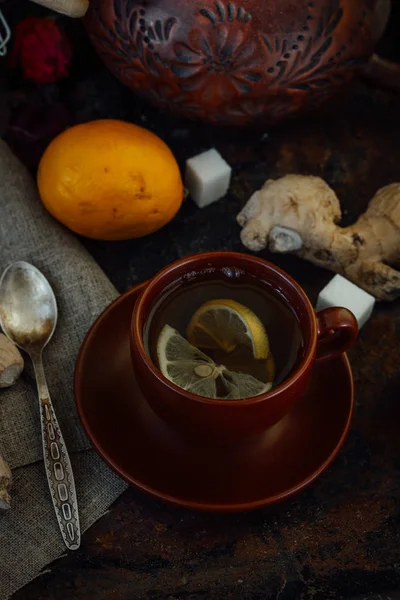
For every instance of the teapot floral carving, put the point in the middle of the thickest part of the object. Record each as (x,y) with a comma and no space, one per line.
(235,62)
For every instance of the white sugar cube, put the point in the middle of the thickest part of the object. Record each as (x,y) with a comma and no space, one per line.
(207,177)
(341,292)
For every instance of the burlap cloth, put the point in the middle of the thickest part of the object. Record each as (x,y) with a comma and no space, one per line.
(29,534)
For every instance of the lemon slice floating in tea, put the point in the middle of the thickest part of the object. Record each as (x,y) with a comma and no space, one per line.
(226,324)
(194,371)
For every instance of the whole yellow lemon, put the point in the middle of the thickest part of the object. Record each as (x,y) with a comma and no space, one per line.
(110,180)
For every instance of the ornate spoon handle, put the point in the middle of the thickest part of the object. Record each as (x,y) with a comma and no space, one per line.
(57,463)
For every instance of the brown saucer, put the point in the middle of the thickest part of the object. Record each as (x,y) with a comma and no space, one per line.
(140,448)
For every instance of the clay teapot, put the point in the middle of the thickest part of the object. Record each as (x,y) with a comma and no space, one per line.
(235,62)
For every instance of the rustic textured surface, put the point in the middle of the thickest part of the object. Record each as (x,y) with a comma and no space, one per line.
(341,537)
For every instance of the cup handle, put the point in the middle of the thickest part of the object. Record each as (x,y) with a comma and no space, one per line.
(337,330)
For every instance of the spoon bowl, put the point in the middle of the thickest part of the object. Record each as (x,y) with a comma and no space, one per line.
(28,308)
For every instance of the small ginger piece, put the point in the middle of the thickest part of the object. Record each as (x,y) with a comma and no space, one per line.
(300,214)
(11,362)
(71,8)
(5,484)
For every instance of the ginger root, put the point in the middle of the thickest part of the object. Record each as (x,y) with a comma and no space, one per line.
(11,362)
(300,214)
(71,8)
(5,484)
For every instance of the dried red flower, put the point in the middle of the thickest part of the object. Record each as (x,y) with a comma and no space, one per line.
(41,50)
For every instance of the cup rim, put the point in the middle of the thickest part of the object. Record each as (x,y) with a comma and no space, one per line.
(137,335)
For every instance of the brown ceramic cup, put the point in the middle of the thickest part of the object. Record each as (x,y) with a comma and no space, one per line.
(326,335)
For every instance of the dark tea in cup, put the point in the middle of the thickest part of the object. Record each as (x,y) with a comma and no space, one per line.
(219,292)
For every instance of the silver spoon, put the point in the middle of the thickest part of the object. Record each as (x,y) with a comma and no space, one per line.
(28,316)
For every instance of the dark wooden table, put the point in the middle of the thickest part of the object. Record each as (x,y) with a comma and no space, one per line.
(340,538)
